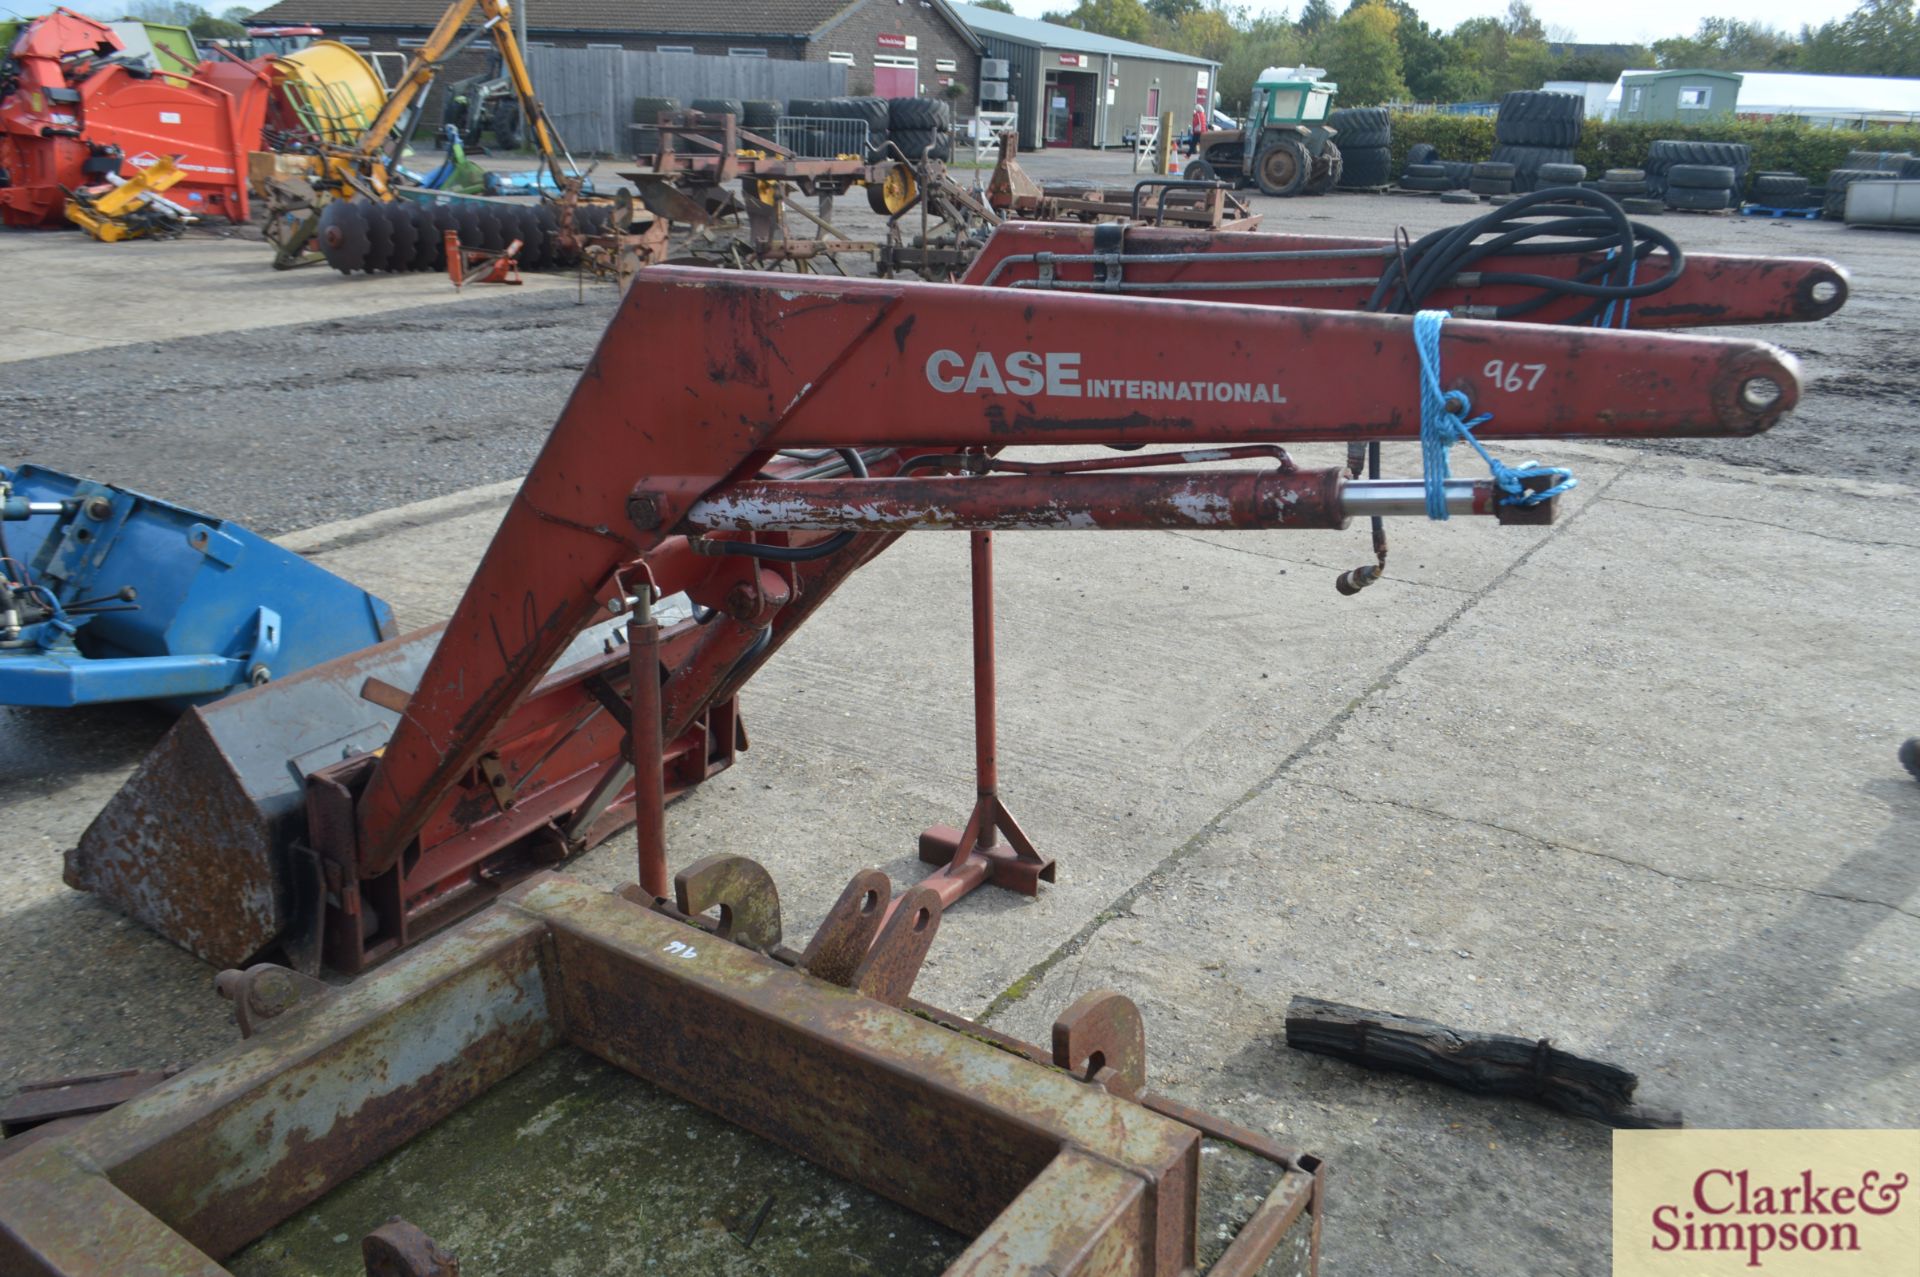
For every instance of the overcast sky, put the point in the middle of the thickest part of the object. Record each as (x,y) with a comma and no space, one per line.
(1614,21)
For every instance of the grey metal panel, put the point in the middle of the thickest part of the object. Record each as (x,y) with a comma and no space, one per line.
(589,93)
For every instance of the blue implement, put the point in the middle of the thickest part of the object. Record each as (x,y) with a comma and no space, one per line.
(107,594)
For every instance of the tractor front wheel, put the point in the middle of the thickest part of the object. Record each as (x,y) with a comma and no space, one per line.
(1282,167)
(1326,171)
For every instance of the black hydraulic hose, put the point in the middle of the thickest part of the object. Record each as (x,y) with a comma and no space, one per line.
(1552,222)
(800,553)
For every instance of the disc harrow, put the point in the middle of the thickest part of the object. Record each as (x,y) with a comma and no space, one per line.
(360,235)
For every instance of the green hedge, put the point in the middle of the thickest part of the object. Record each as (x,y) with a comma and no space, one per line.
(1777,147)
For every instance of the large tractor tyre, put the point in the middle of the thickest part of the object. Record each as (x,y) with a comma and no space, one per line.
(1366,167)
(1562,174)
(759,115)
(1625,175)
(719,106)
(1700,177)
(1326,170)
(1359,126)
(916,114)
(914,143)
(648,110)
(1779,190)
(1282,167)
(1493,170)
(1835,204)
(1459,172)
(1881,161)
(645,139)
(1422,153)
(1409,182)
(506,126)
(1528,118)
(1699,199)
(809,108)
(1490,185)
(1200,171)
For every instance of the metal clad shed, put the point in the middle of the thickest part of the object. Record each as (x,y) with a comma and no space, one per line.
(1076,88)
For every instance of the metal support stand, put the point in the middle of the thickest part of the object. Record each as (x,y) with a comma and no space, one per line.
(647,749)
(975,855)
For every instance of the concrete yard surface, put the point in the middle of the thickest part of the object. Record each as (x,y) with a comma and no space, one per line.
(1627,782)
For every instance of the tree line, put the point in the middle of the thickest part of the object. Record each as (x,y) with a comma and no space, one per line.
(1381,51)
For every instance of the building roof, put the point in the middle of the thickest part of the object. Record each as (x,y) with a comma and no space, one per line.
(1788,93)
(791,18)
(1051,35)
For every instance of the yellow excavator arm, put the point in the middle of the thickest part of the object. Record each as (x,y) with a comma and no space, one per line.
(442,44)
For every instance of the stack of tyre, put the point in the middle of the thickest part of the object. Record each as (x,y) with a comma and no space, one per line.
(1426,171)
(921,127)
(1865,166)
(1364,135)
(1629,186)
(820,140)
(646,120)
(1702,188)
(1778,190)
(1665,156)
(1534,134)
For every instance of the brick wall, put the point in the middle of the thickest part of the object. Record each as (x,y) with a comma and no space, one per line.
(859,30)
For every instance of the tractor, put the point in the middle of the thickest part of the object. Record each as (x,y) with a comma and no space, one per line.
(1284,146)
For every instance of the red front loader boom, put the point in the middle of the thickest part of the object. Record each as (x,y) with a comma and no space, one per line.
(749,441)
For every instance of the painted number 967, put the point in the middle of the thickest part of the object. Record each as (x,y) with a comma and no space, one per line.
(1514,378)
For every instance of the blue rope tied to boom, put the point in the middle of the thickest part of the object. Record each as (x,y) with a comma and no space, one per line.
(1625,302)
(1442,425)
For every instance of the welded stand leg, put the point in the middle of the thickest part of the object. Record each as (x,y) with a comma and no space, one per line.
(974,855)
(649,752)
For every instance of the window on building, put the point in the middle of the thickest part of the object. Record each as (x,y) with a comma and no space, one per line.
(840,59)
(606,46)
(674,48)
(539,44)
(357,41)
(746,53)
(945,64)
(1695,99)
(411,42)
(1634,97)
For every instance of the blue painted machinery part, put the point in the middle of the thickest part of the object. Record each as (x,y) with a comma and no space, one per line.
(107,594)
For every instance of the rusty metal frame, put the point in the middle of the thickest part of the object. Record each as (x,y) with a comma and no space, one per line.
(1057,1164)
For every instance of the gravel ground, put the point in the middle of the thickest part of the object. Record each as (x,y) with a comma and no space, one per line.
(286,427)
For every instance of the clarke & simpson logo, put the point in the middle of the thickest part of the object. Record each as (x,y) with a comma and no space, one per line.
(1704,1203)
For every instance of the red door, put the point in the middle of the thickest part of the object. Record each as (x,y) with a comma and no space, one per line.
(1060,108)
(896,82)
